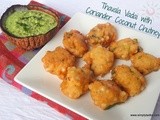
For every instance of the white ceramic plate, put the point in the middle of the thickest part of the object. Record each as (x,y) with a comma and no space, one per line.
(34,76)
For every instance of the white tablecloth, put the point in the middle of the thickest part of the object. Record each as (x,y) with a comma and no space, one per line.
(15,105)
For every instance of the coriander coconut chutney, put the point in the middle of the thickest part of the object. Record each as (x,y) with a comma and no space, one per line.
(29,23)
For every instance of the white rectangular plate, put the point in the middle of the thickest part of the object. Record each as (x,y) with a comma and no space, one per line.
(34,76)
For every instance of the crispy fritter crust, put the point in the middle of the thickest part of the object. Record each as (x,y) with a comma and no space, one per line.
(74,42)
(57,61)
(131,80)
(102,34)
(124,48)
(106,93)
(100,59)
(76,82)
(145,62)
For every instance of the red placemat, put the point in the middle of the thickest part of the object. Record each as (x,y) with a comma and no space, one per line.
(14,59)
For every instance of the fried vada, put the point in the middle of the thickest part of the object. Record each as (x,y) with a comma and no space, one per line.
(100,59)
(102,34)
(76,82)
(124,48)
(74,42)
(106,93)
(57,61)
(145,62)
(129,79)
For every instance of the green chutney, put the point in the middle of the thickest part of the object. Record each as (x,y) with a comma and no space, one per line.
(29,23)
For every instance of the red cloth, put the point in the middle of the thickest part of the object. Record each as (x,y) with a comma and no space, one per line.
(13,59)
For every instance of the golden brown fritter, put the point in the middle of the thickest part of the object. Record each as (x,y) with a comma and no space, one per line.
(106,93)
(74,42)
(124,48)
(100,59)
(102,34)
(131,80)
(57,61)
(145,62)
(76,82)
